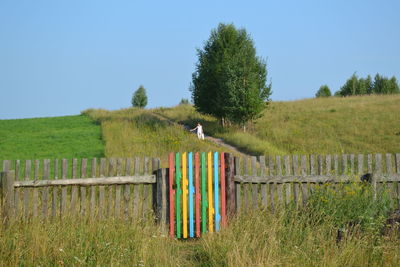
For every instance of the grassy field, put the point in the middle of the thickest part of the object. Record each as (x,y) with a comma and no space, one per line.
(360,124)
(287,237)
(137,132)
(56,137)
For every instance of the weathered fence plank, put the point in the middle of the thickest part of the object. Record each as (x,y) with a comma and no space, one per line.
(35,193)
(254,186)
(344,163)
(264,200)
(54,200)
(74,189)
(17,191)
(246,187)
(45,190)
(360,162)
(238,186)
(110,189)
(102,190)
(7,183)
(64,173)
(118,189)
(82,188)
(279,187)
(92,205)
(27,190)
(304,185)
(288,186)
(398,172)
(296,186)
(136,192)
(230,190)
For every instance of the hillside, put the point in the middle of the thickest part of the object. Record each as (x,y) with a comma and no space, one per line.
(362,124)
(139,132)
(365,124)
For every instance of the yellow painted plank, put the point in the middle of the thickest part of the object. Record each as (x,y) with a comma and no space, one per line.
(185,184)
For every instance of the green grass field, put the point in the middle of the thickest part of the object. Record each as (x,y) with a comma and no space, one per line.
(56,137)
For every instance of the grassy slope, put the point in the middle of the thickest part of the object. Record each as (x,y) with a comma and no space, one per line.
(366,124)
(134,132)
(56,137)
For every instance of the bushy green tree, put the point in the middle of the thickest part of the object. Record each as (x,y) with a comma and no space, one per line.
(350,87)
(383,85)
(139,98)
(323,91)
(230,81)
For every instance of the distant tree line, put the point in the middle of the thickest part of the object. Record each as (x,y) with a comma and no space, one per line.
(364,86)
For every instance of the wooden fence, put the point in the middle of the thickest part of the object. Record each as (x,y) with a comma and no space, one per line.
(196,194)
(269,181)
(128,189)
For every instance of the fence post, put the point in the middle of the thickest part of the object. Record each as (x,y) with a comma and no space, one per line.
(7,184)
(230,184)
(161,196)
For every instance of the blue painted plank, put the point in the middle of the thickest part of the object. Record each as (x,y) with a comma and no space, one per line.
(191,192)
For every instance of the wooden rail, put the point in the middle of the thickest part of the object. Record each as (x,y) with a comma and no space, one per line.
(146,179)
(310,179)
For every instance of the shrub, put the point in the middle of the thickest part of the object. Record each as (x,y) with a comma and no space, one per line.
(323,91)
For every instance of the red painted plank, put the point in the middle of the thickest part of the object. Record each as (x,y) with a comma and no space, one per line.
(171,195)
(198,194)
(223,191)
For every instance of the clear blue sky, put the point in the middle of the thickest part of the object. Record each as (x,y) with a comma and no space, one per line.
(61,57)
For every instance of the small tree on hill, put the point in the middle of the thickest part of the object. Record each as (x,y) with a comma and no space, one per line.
(323,91)
(139,98)
(184,101)
(230,81)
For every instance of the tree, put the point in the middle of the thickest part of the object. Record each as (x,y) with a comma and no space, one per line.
(139,98)
(230,81)
(350,87)
(380,85)
(323,91)
(184,101)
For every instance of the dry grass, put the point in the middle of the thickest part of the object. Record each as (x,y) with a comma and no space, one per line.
(137,132)
(360,124)
(252,239)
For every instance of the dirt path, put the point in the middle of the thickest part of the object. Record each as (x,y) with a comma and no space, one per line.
(217,141)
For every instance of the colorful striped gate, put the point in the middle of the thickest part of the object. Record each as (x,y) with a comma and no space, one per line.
(197,193)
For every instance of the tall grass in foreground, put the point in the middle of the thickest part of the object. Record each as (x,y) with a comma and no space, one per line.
(290,236)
